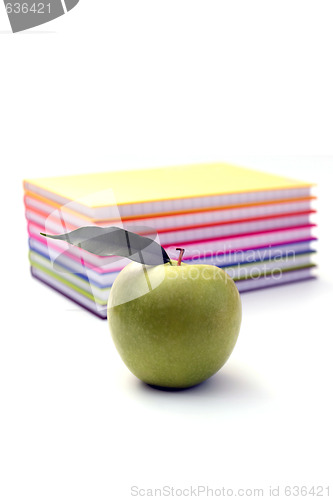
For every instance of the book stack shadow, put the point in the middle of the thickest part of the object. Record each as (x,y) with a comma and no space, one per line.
(256,226)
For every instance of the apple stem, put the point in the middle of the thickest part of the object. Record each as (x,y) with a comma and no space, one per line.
(181,250)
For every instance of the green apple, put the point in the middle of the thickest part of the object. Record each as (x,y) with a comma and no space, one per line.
(174,325)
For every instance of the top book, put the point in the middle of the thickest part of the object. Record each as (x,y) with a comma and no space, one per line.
(165,190)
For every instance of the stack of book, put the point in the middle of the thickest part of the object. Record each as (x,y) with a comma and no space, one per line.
(256,226)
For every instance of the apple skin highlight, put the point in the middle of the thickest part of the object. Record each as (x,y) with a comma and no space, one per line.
(174,325)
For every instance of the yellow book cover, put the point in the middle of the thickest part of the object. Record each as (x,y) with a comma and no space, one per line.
(150,185)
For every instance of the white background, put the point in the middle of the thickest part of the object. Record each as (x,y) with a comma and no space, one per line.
(144,83)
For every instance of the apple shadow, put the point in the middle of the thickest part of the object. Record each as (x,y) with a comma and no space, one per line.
(226,386)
